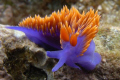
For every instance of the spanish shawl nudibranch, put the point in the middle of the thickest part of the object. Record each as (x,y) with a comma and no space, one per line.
(69,33)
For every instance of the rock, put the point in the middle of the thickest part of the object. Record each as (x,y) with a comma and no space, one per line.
(24,60)
(5,14)
(13,11)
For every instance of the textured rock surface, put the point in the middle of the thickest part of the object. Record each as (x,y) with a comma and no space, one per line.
(24,60)
(28,63)
(3,73)
(108,9)
(13,11)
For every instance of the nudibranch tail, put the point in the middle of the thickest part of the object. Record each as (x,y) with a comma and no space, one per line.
(38,38)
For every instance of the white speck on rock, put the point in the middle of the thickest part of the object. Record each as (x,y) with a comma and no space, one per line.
(18,34)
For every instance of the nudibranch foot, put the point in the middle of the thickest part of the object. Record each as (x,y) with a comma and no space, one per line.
(72,64)
(68,56)
(63,58)
(89,62)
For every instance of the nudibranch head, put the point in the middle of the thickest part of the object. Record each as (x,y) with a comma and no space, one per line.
(68,32)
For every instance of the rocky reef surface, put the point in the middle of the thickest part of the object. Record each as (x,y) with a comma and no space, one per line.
(20,59)
(23,59)
(13,11)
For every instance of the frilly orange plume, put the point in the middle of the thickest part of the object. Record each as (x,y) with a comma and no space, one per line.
(70,23)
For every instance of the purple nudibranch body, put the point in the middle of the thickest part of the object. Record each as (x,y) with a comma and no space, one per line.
(68,34)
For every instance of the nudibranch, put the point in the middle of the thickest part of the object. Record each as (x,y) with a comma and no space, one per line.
(67,32)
